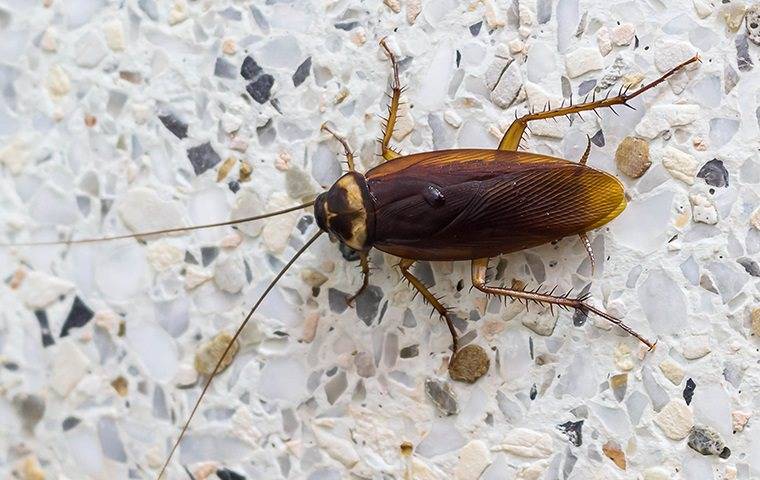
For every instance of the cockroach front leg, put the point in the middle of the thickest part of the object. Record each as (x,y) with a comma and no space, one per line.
(432,299)
(347,150)
(511,139)
(364,259)
(480,266)
(390,122)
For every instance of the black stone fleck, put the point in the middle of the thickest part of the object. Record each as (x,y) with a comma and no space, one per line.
(208,255)
(533,392)
(234,186)
(750,266)
(70,422)
(410,352)
(79,315)
(598,138)
(348,253)
(688,391)
(47,337)
(227,474)
(368,304)
(337,300)
(302,72)
(260,88)
(304,223)
(347,26)
(459,58)
(475,28)
(250,68)
(714,173)
(174,125)
(224,69)
(574,432)
(190,258)
(203,157)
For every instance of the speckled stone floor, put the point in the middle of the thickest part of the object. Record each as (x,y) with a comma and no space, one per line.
(127,116)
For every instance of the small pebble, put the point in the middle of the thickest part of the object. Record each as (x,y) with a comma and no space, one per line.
(702,209)
(31,469)
(208,354)
(203,157)
(469,364)
(583,60)
(675,419)
(31,409)
(614,453)
(250,68)
(707,441)
(680,165)
(574,431)
(623,34)
(688,391)
(302,72)
(755,319)
(260,88)
(672,371)
(714,173)
(442,396)
(739,420)
(752,22)
(696,346)
(121,386)
(632,157)
(619,383)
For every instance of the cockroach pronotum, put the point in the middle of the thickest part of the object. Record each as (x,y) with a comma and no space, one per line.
(452,205)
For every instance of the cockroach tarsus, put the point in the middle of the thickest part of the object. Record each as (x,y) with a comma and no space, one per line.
(455,205)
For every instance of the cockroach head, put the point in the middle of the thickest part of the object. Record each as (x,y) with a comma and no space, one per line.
(346,211)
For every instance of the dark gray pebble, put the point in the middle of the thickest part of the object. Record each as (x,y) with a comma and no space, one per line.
(261,88)
(714,173)
(302,72)
(174,125)
(708,441)
(203,157)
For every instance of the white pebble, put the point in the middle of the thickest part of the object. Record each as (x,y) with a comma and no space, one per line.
(739,419)
(49,40)
(702,209)
(473,459)
(90,50)
(680,165)
(604,41)
(178,13)
(670,53)
(69,367)
(58,82)
(623,34)
(114,35)
(39,290)
(229,274)
(672,371)
(526,443)
(696,346)
(142,210)
(704,8)
(660,118)
(163,256)
(675,419)
(583,60)
(195,276)
(452,118)
(657,473)
(15,156)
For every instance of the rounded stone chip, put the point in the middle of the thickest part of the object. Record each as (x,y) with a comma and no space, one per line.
(632,157)
(469,364)
(708,441)
(209,353)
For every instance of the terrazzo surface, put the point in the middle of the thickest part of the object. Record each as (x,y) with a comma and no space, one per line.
(121,116)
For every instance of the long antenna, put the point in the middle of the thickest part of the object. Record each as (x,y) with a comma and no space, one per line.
(229,345)
(160,232)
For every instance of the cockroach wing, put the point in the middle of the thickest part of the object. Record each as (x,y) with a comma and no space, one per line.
(467,204)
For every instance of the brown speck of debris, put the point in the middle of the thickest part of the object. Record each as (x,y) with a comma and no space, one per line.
(90,120)
(469,364)
(120,385)
(245,171)
(209,353)
(225,169)
(407,449)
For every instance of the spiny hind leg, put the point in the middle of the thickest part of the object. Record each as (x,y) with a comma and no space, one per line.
(480,266)
(404,265)
(347,150)
(364,259)
(395,100)
(511,139)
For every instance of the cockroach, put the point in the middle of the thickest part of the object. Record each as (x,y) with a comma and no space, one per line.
(453,205)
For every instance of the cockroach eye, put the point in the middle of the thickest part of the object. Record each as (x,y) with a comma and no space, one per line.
(433,196)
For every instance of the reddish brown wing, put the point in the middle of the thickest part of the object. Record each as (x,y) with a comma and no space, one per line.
(466,204)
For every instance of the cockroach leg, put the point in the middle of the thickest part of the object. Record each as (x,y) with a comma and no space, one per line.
(430,298)
(584,158)
(511,139)
(344,142)
(587,246)
(390,122)
(364,259)
(480,266)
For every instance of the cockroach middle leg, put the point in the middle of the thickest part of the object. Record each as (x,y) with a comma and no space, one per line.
(437,305)
(347,150)
(589,251)
(511,139)
(364,260)
(584,158)
(480,266)
(390,122)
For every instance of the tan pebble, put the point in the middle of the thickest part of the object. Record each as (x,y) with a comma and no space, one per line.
(623,359)
(229,47)
(613,452)
(245,171)
(700,144)
(406,449)
(90,120)
(619,381)
(632,157)
(121,386)
(492,328)
(739,419)
(413,9)
(209,353)
(340,96)
(733,14)
(359,37)
(58,82)
(623,34)
(756,321)
(17,278)
(327,266)
(393,5)
(31,469)
(108,320)
(675,419)
(282,162)
(131,77)
(178,12)
(232,240)
(469,364)
(224,170)
(754,220)
(47,3)
(672,371)
(632,79)
(310,324)
(196,276)
(313,278)
(493,19)
(516,46)
(205,470)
